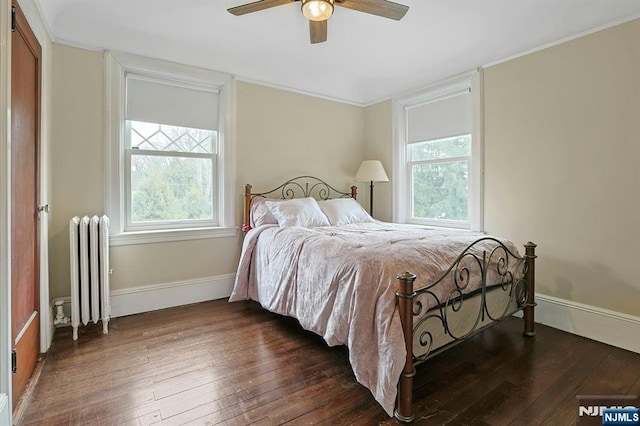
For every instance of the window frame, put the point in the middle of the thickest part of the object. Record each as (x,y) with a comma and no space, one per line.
(117,65)
(402,171)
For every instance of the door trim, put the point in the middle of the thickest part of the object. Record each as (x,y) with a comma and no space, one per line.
(5,204)
(32,13)
(5,418)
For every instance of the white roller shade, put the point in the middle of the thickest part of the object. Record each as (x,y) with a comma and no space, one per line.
(158,101)
(441,118)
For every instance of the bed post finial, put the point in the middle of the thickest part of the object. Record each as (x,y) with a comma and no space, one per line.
(404,296)
(246,224)
(530,255)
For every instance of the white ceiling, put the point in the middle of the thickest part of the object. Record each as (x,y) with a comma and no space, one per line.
(366,58)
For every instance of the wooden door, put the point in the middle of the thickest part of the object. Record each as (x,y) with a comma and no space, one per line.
(25,119)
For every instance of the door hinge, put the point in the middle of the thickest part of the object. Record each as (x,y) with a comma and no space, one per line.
(14,361)
(43,209)
(13,18)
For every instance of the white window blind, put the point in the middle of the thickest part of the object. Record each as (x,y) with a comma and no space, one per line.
(446,116)
(154,100)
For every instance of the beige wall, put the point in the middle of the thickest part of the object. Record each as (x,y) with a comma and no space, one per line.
(379,146)
(284,134)
(562,155)
(76,151)
(278,137)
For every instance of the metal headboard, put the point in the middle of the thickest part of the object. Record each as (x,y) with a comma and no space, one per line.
(297,187)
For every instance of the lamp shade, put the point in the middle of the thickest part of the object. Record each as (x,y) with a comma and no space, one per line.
(371,171)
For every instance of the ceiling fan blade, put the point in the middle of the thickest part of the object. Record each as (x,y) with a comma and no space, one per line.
(384,8)
(256,6)
(318,31)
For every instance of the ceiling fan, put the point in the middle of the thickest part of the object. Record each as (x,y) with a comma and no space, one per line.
(318,11)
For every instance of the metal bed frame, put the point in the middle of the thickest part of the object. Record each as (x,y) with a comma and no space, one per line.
(511,274)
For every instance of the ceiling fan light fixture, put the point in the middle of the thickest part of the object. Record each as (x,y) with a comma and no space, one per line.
(317,10)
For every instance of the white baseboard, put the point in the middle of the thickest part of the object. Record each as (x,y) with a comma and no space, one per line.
(5,417)
(160,296)
(148,298)
(610,327)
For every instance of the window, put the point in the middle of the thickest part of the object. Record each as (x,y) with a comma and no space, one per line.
(439,178)
(170,151)
(170,176)
(437,155)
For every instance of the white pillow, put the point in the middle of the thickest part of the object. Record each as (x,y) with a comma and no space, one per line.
(297,212)
(343,211)
(260,213)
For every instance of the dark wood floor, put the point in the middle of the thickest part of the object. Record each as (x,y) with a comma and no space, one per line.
(236,364)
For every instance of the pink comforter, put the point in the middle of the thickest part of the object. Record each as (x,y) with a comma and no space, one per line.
(340,283)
